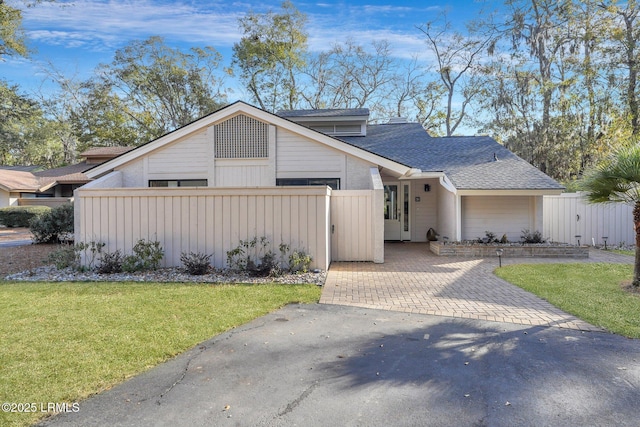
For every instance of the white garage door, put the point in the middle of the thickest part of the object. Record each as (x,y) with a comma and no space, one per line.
(498,214)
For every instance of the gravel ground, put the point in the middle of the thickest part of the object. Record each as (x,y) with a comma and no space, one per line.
(52,274)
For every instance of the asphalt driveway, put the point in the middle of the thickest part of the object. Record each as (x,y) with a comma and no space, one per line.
(329,365)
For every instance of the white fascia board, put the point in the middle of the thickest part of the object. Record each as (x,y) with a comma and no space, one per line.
(48,186)
(447,184)
(418,174)
(243,108)
(441,176)
(523,192)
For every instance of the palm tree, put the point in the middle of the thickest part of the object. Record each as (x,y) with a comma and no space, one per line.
(617,180)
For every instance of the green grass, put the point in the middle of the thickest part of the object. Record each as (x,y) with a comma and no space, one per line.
(591,292)
(64,342)
(624,252)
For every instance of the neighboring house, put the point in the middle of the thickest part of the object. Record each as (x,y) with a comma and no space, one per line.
(28,186)
(14,183)
(321,180)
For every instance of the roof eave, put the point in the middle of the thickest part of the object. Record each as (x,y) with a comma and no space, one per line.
(510,192)
(419,174)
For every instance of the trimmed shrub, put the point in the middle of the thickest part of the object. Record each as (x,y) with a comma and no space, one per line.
(70,255)
(252,256)
(299,261)
(21,216)
(146,256)
(529,236)
(55,226)
(255,257)
(196,264)
(65,256)
(110,262)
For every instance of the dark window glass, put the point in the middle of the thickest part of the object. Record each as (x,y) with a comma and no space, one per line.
(334,183)
(66,190)
(178,183)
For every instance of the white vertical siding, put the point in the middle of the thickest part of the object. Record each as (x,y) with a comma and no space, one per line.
(358,176)
(243,173)
(206,220)
(290,156)
(377,207)
(297,157)
(424,214)
(568,215)
(498,214)
(134,174)
(447,214)
(188,158)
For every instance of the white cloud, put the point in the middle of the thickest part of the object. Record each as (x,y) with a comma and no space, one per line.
(394,9)
(86,32)
(105,25)
(110,24)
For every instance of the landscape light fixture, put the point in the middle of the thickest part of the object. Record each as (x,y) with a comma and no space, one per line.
(578,236)
(605,242)
(499,253)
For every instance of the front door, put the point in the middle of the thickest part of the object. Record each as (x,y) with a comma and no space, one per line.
(397,200)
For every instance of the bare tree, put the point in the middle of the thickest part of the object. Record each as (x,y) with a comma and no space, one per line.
(458,60)
(351,76)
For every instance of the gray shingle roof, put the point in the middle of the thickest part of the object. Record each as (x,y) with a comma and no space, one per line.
(105,151)
(20,168)
(64,170)
(329,112)
(468,161)
(13,180)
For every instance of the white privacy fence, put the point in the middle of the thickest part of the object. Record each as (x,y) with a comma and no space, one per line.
(205,220)
(328,225)
(568,215)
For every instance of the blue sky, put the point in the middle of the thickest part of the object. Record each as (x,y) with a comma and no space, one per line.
(75,36)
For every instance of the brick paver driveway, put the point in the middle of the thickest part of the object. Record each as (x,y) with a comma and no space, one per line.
(414,280)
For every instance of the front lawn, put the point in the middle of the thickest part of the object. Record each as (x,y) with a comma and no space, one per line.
(64,342)
(624,252)
(591,292)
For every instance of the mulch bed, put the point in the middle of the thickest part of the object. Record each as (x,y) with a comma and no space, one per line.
(14,259)
(628,287)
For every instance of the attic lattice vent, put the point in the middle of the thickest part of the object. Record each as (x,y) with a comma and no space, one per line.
(241,137)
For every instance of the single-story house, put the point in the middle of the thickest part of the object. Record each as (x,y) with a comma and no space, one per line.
(324,181)
(31,186)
